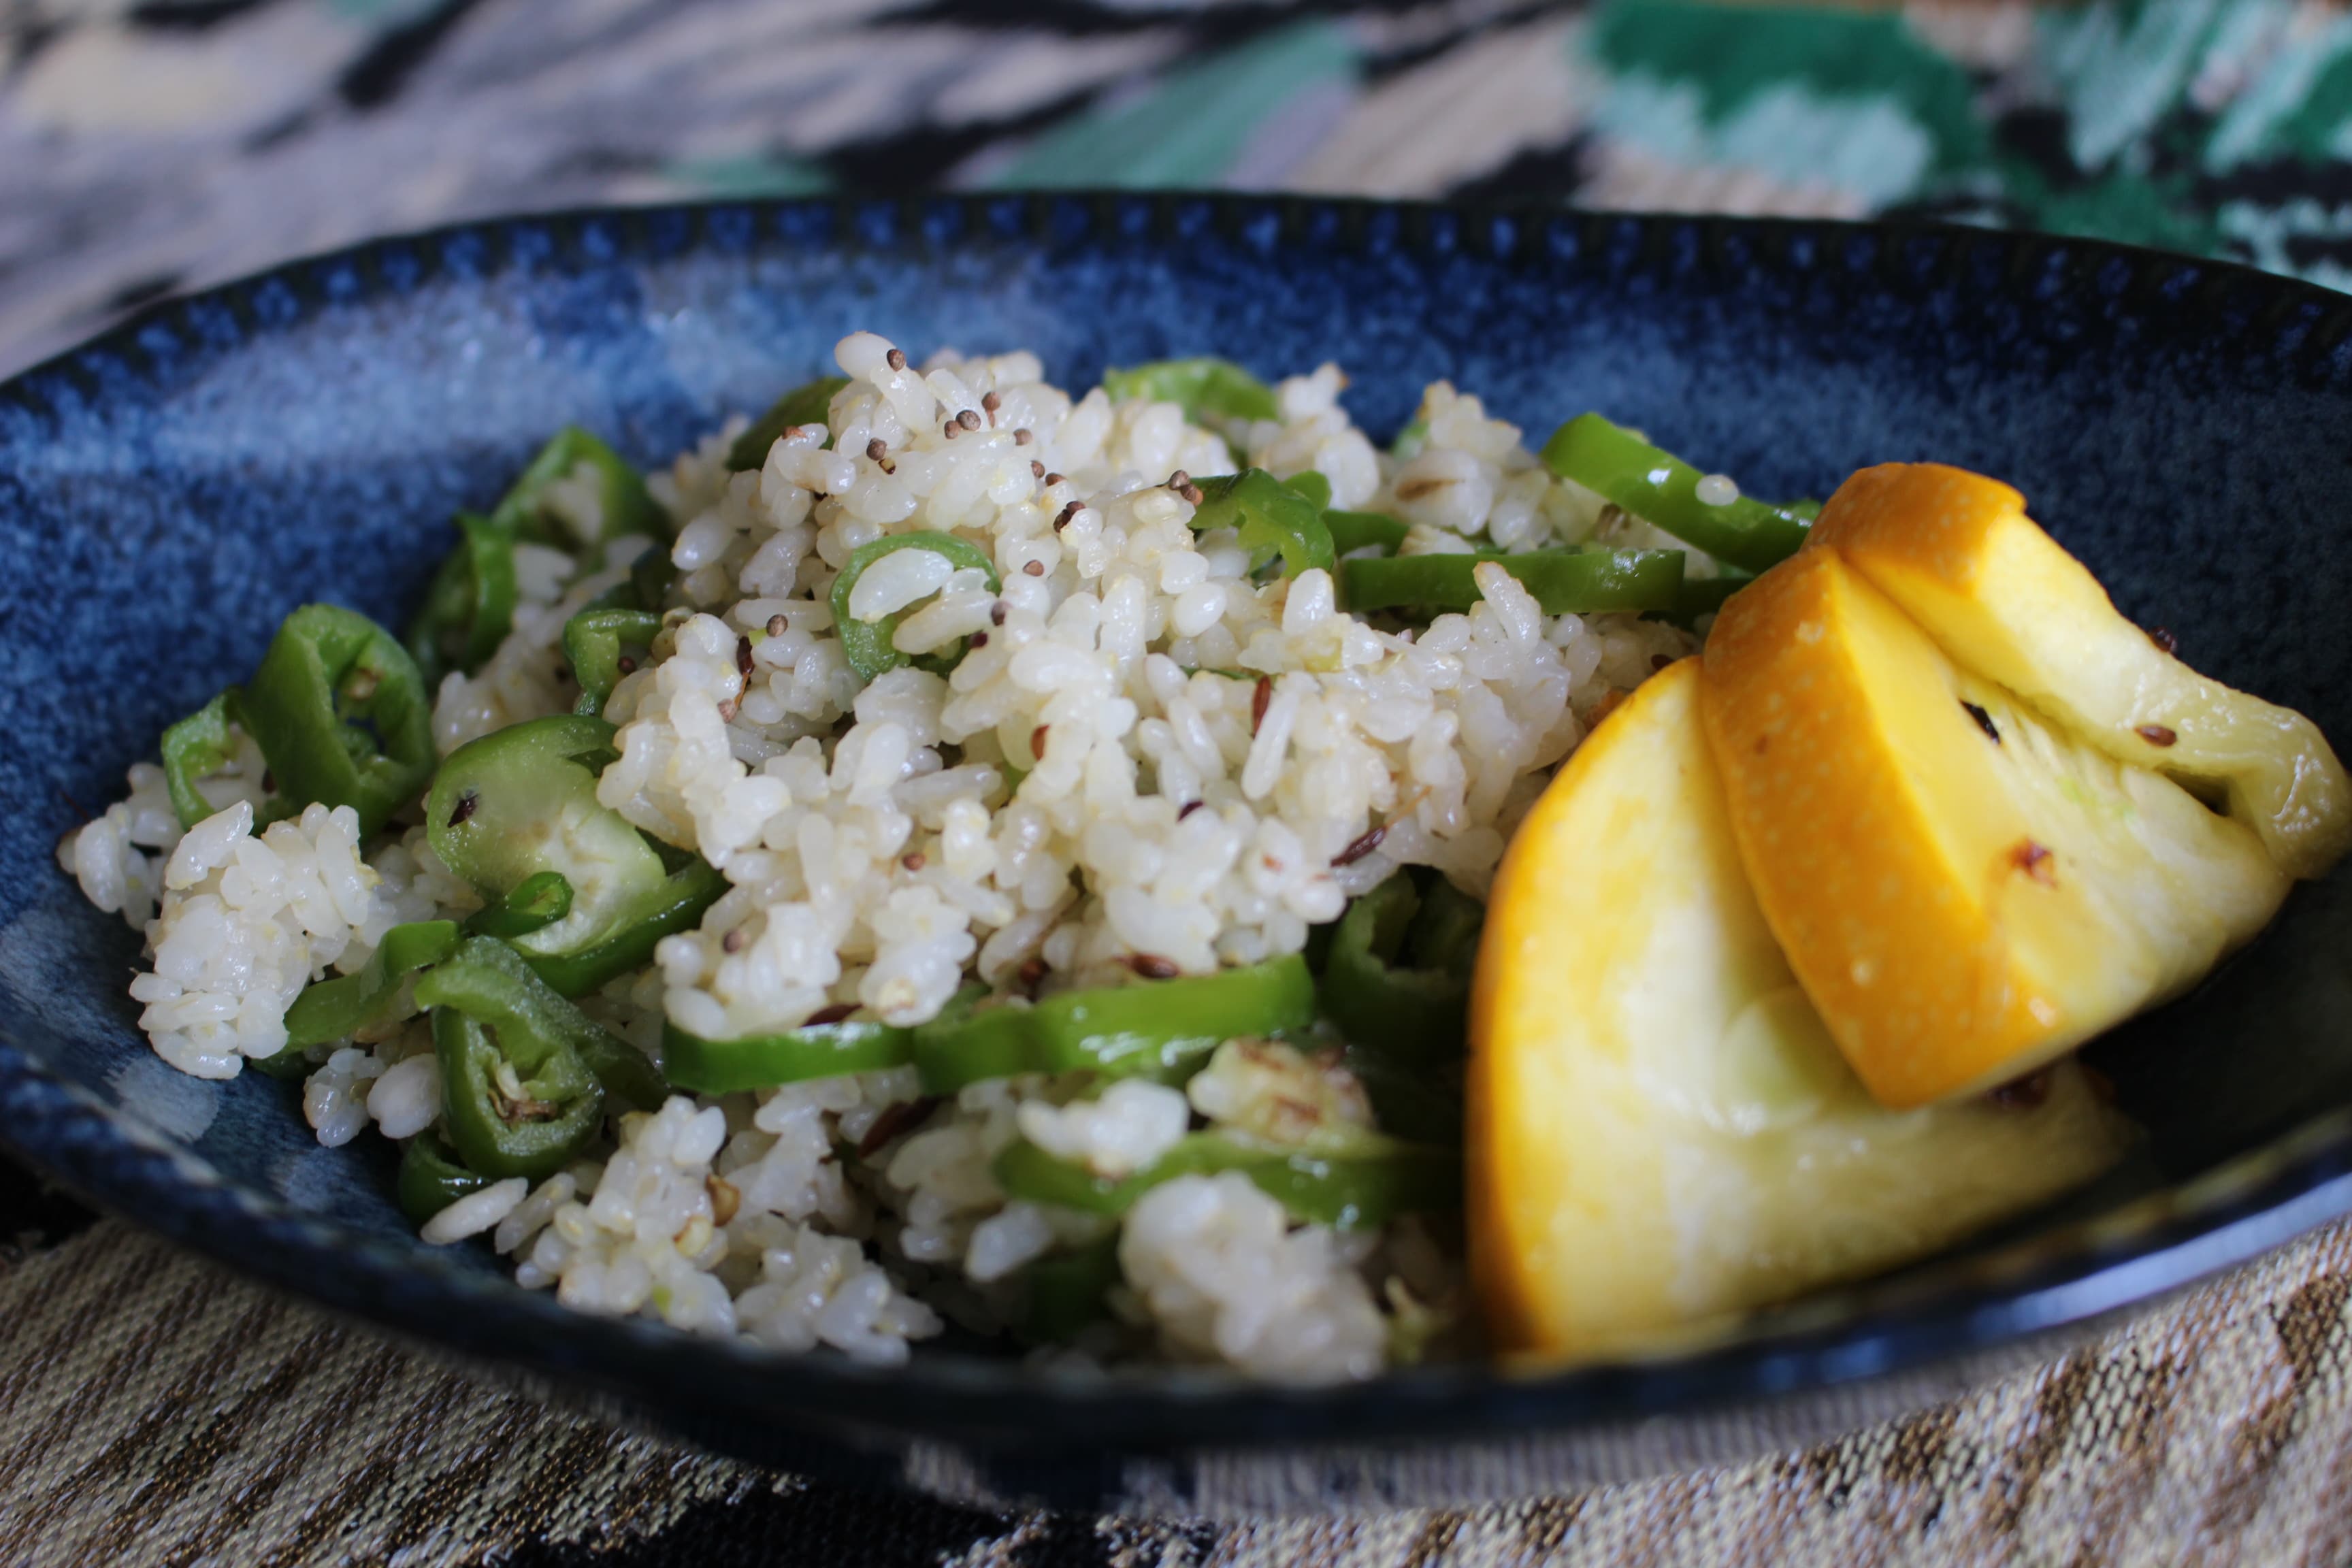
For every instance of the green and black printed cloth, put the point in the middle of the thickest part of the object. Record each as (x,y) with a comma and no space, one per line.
(154,1409)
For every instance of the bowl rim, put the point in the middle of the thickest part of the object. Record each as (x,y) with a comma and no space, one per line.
(2063,1278)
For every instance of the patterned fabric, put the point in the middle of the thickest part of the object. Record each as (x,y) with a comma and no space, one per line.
(154,1409)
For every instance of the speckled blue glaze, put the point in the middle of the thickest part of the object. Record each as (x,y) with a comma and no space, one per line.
(169,491)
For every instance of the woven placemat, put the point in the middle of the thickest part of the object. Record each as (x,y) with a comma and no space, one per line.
(155,1409)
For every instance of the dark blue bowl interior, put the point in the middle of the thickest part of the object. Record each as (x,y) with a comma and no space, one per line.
(168,493)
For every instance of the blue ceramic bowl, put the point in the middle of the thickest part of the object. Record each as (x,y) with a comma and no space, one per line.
(168,492)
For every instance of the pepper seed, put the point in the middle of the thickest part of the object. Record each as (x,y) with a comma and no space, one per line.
(466,804)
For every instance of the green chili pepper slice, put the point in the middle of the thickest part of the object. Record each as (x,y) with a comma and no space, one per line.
(469,608)
(1359,1182)
(534,1133)
(1661,489)
(342,1005)
(1397,980)
(867,644)
(791,1055)
(1311,484)
(1270,519)
(1205,387)
(592,641)
(1066,1290)
(1163,1029)
(522,801)
(341,711)
(1564,581)
(624,504)
(1352,531)
(488,982)
(432,1177)
(536,902)
(198,745)
(805,405)
(651,578)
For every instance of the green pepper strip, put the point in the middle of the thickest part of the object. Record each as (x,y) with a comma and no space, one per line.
(539,901)
(677,906)
(1361,1184)
(1066,1290)
(592,641)
(1352,531)
(340,1007)
(341,711)
(1313,486)
(1163,1029)
(806,404)
(535,1134)
(490,983)
(867,644)
(470,607)
(431,1178)
(1217,388)
(627,507)
(1414,1014)
(792,1056)
(1564,581)
(196,745)
(1271,519)
(1661,489)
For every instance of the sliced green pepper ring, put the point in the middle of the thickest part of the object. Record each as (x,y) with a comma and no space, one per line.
(1311,484)
(537,1028)
(1360,1183)
(594,640)
(624,504)
(1564,581)
(867,644)
(522,801)
(1397,980)
(340,712)
(791,1055)
(1162,1029)
(1661,489)
(198,745)
(534,1127)
(469,608)
(1204,386)
(339,1008)
(808,404)
(432,1177)
(1270,519)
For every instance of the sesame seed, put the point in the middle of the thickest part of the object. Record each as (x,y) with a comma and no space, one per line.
(1192,493)
(875,449)
(2164,640)
(1036,469)
(1037,741)
(626,665)
(1259,700)
(991,402)
(996,613)
(727,711)
(2156,734)
(968,419)
(832,1015)
(1187,808)
(978,639)
(1023,436)
(778,625)
(1032,568)
(1179,479)
(913,861)
(1152,966)
(743,657)
(1067,512)
(734,941)
(1053,479)
(895,359)
(951,429)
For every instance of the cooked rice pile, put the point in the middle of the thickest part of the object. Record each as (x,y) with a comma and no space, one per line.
(1086,787)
